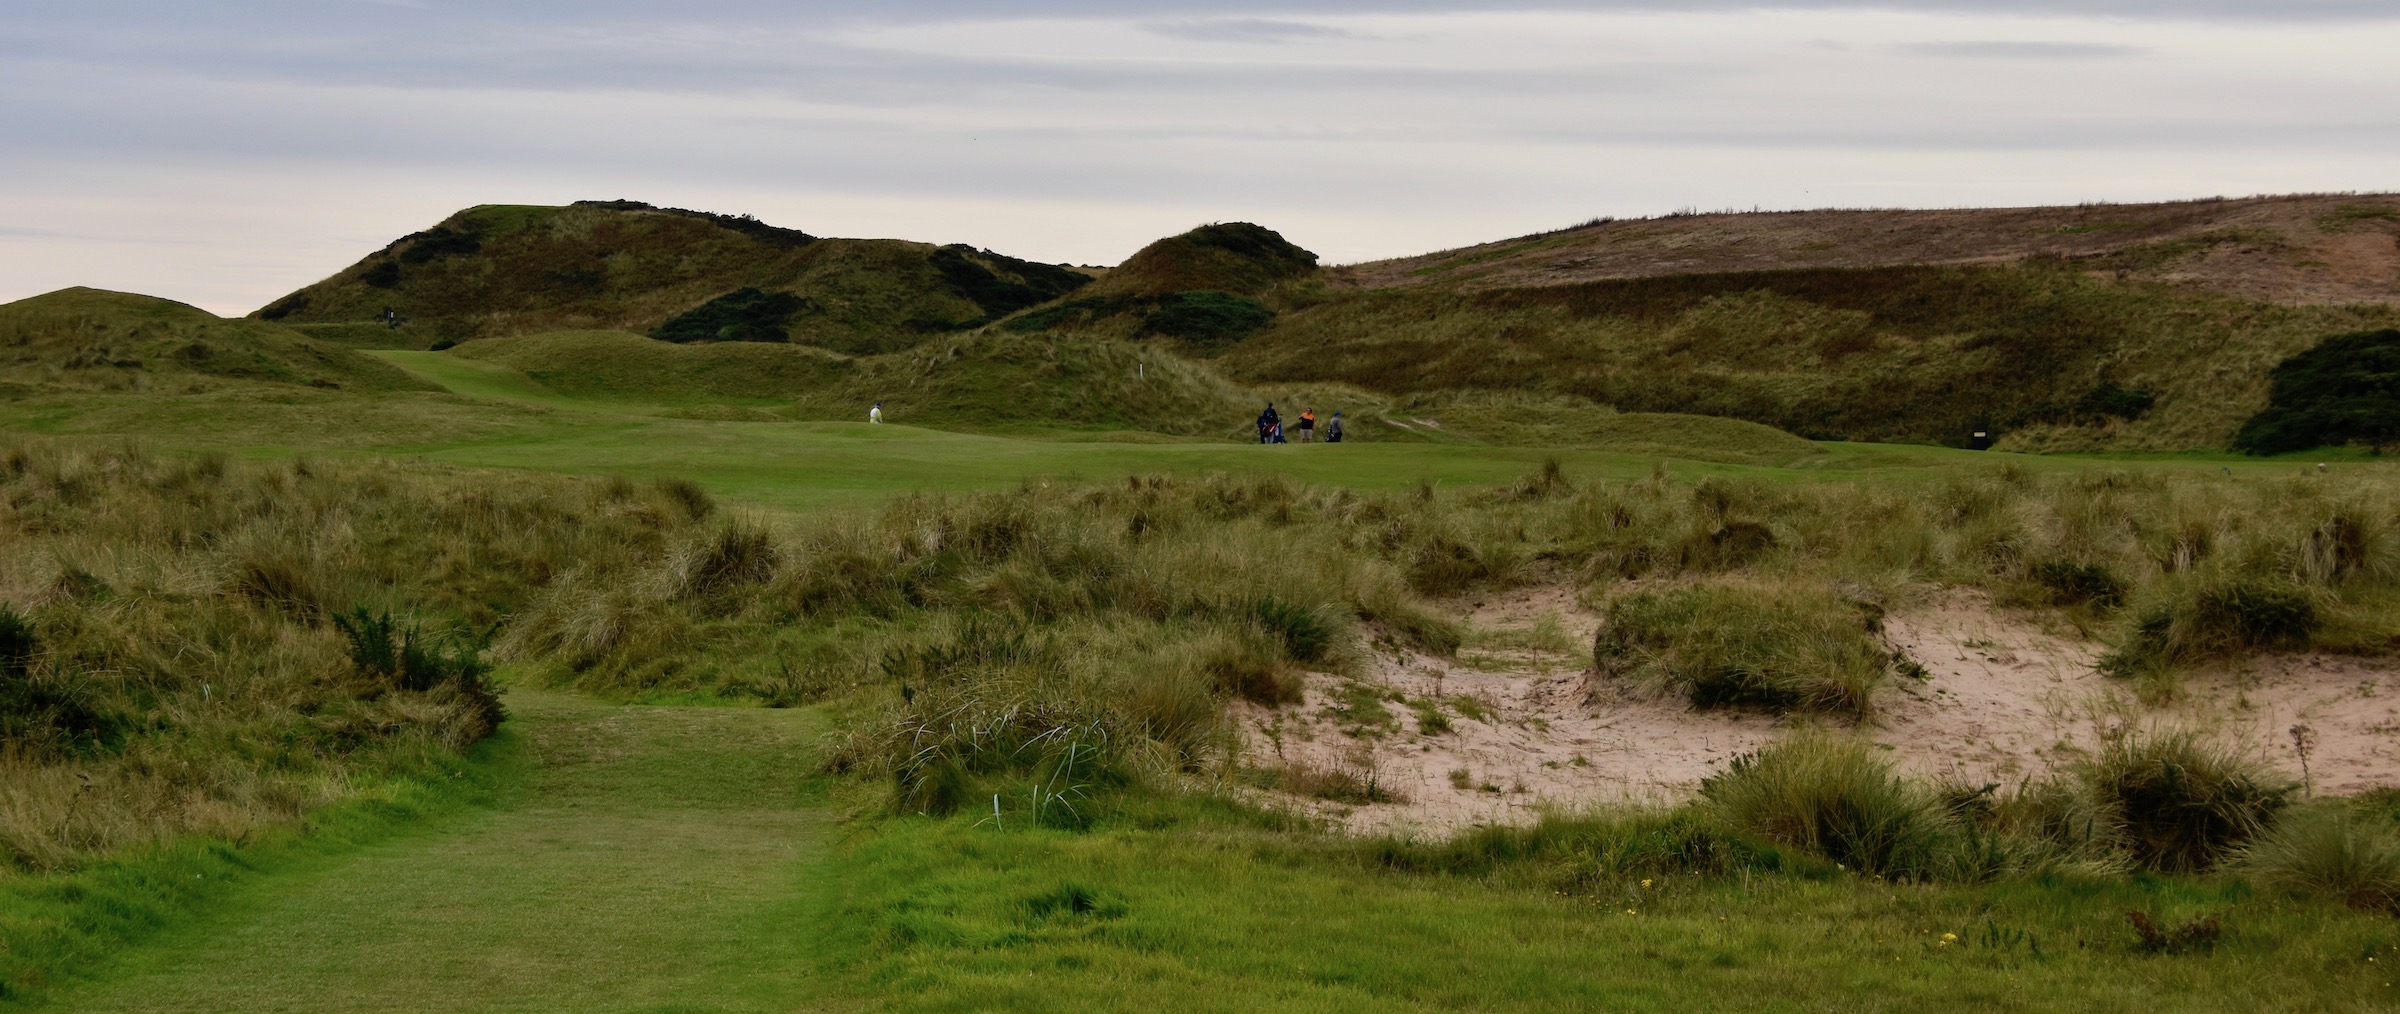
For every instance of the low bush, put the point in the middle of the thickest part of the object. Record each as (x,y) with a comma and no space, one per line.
(1207,322)
(744,315)
(1742,642)
(2183,802)
(2345,390)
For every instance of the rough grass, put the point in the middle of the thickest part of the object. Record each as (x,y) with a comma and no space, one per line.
(2327,852)
(191,645)
(92,340)
(1652,913)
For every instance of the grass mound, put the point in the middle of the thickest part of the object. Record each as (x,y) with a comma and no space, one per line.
(613,365)
(1743,642)
(1233,257)
(93,339)
(2344,391)
(494,271)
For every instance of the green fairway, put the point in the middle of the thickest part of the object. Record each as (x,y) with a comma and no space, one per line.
(803,465)
(653,860)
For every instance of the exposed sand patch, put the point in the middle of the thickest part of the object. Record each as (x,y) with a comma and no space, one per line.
(1530,724)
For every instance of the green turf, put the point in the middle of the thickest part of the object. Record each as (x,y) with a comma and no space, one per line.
(676,859)
(655,859)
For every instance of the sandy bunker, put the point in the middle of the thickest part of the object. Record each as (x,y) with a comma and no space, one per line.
(1530,725)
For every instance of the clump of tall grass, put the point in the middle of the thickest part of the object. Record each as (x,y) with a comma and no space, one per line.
(1745,642)
(2182,801)
(1837,797)
(2214,616)
(2331,853)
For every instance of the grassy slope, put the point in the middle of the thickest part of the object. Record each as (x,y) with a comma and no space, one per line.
(581,267)
(1919,354)
(91,339)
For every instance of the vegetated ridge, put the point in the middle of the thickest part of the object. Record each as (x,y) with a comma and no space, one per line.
(2151,327)
(91,339)
(2137,327)
(496,270)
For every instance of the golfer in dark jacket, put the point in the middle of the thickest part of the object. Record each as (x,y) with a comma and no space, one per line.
(1268,423)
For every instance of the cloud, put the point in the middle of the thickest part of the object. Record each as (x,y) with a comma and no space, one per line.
(1244,30)
(1979,49)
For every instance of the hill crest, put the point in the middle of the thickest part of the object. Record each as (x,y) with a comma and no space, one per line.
(2299,249)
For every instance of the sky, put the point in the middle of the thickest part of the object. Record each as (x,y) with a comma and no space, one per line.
(225,153)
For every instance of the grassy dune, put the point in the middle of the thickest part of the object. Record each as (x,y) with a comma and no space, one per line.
(87,340)
(1905,353)
(498,270)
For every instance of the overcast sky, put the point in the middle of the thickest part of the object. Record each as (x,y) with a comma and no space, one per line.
(226,153)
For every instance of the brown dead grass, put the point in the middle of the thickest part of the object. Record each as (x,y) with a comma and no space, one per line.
(2311,249)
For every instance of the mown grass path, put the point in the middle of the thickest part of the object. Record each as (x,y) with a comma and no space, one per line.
(655,860)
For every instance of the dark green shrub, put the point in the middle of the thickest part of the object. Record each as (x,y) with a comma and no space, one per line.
(743,315)
(1000,284)
(2108,399)
(2346,390)
(2073,583)
(384,275)
(1207,322)
(2182,802)
(439,241)
(292,304)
